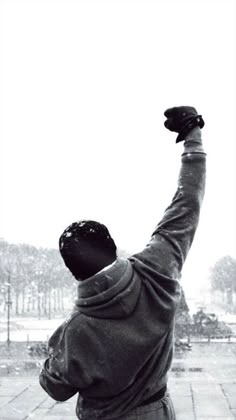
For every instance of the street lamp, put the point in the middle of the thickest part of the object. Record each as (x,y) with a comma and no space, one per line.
(8,303)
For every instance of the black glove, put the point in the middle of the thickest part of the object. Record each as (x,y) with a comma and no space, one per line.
(182,120)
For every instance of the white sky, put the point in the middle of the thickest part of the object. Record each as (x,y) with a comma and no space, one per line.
(83,88)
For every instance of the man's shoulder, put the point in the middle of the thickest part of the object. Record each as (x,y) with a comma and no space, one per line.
(76,323)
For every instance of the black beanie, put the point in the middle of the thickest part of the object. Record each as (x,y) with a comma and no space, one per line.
(86,247)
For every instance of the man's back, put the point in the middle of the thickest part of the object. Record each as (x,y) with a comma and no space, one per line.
(116,348)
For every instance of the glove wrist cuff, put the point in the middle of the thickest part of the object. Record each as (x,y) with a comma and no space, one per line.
(196,121)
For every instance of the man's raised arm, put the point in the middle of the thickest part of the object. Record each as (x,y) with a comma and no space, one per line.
(173,236)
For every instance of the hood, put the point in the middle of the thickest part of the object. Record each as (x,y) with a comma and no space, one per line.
(111,293)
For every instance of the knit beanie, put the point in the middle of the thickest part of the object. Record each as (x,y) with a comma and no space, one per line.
(86,248)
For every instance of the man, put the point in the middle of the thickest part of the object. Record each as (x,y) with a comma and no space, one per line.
(116,347)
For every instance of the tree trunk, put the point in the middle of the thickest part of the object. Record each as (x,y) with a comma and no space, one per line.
(39,303)
(32,298)
(23,301)
(33,303)
(49,304)
(58,300)
(54,301)
(44,301)
(223,296)
(17,294)
(229,295)
(29,303)
(62,299)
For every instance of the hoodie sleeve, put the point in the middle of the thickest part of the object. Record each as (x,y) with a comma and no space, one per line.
(54,384)
(52,377)
(173,236)
(64,373)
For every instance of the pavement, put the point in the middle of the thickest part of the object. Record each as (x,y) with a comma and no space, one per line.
(22,398)
(202,384)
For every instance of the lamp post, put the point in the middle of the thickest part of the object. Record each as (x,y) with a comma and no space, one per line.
(9,303)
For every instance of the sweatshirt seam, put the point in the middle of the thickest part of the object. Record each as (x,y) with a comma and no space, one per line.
(67,325)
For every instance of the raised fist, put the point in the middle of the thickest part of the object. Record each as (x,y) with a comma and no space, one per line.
(182,120)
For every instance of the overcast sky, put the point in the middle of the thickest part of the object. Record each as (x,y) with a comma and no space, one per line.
(83,89)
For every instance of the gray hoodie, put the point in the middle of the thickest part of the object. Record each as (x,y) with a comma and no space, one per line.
(116,347)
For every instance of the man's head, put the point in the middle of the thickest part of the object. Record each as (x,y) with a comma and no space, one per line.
(86,248)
